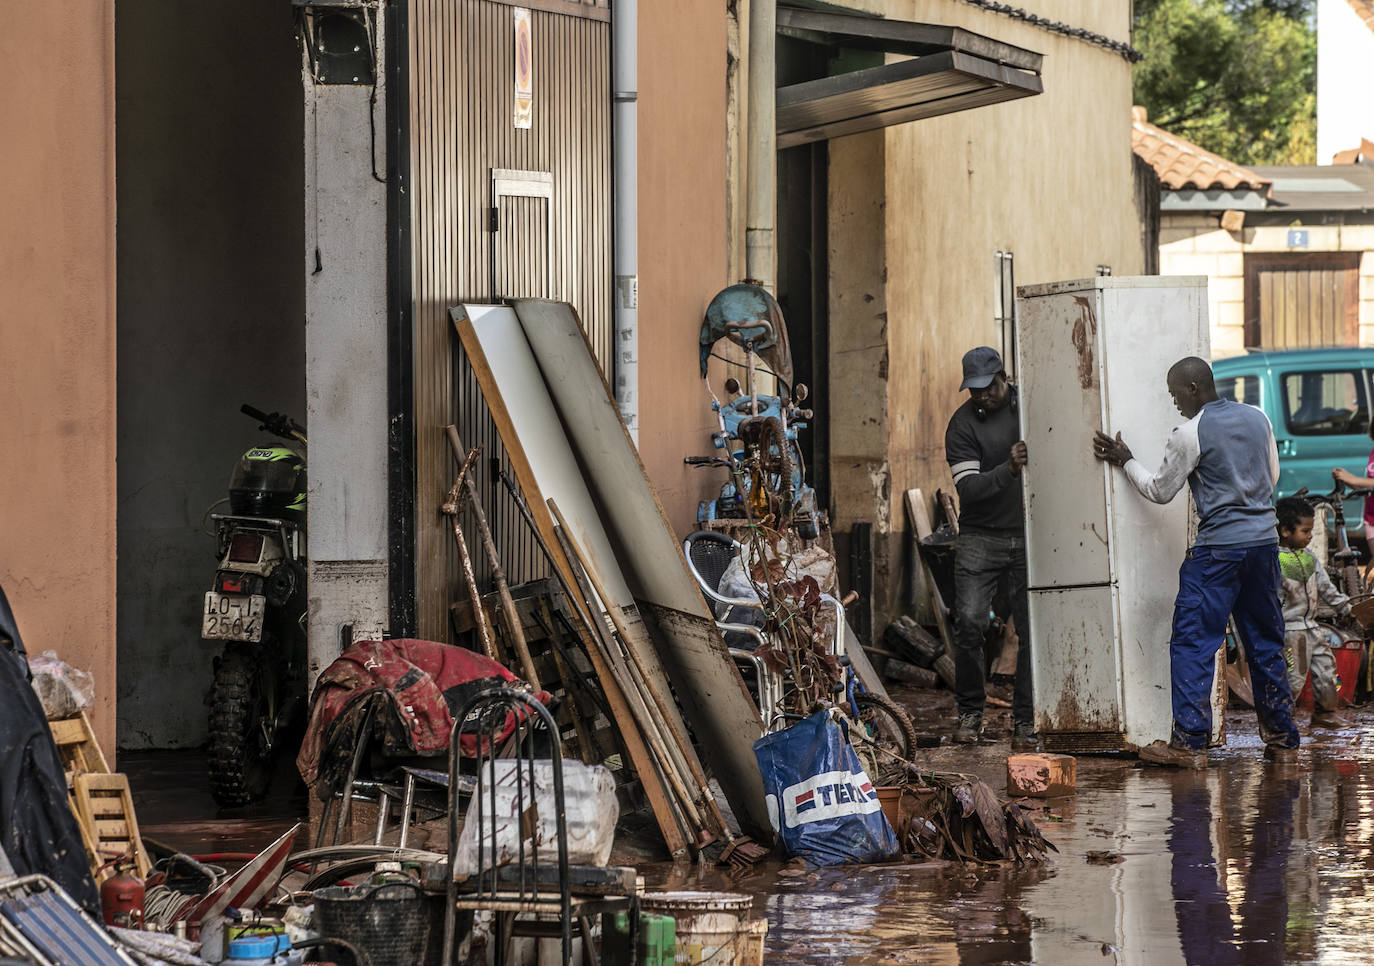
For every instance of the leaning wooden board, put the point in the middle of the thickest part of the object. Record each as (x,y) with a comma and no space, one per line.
(635,538)
(724,717)
(545,467)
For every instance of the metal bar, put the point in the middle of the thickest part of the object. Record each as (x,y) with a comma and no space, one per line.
(513,625)
(903,36)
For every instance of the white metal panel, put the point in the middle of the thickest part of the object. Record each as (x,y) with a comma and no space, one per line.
(724,717)
(1059,365)
(1077,669)
(555,401)
(541,436)
(1148,324)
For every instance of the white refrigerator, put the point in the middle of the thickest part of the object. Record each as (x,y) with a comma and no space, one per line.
(1102,560)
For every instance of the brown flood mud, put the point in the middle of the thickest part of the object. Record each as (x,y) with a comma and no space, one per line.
(1245,863)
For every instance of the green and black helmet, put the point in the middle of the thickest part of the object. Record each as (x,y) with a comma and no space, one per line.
(269,481)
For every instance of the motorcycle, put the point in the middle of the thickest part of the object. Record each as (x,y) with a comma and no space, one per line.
(757,431)
(788,671)
(257,608)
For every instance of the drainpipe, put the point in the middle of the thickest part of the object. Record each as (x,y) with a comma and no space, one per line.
(624,107)
(762,161)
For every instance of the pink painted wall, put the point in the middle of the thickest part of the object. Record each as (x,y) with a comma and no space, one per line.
(682,257)
(57,335)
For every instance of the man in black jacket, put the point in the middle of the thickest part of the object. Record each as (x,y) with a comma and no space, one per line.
(985,453)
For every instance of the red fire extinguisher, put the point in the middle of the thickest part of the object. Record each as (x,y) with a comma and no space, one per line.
(121,896)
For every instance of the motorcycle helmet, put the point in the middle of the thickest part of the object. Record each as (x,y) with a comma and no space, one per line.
(269,481)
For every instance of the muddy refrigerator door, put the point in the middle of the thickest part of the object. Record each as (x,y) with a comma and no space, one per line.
(1102,561)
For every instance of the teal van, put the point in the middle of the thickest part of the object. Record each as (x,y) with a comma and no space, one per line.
(1318,403)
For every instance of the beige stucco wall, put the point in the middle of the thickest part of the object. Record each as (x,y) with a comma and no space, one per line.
(57,335)
(1047,177)
(682,238)
(1195,244)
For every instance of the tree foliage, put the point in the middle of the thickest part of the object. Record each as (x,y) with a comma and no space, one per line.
(1237,77)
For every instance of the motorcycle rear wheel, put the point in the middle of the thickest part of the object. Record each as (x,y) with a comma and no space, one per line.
(887,725)
(242,734)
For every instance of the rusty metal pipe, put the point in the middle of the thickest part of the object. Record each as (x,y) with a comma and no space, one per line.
(498,576)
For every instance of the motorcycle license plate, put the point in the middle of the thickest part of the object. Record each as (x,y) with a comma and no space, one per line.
(232,617)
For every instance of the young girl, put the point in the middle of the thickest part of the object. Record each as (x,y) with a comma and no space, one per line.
(1305,588)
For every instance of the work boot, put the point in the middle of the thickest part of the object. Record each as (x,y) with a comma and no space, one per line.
(1325,719)
(969,730)
(1280,755)
(1024,738)
(1172,756)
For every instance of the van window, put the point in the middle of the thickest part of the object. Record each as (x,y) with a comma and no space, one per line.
(1241,389)
(1325,403)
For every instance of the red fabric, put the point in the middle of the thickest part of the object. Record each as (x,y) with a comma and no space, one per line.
(427,681)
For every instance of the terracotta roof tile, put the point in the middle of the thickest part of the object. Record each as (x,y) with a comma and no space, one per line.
(1364,9)
(1181,164)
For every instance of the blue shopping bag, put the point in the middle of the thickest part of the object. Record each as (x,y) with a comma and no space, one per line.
(822,805)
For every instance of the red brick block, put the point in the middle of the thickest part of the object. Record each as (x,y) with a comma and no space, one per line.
(1041,776)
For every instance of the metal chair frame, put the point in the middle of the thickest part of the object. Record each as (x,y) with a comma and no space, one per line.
(708,568)
(520,889)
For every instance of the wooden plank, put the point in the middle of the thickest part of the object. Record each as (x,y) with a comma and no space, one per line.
(725,720)
(919,518)
(654,788)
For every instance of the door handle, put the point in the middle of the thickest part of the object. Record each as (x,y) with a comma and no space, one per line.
(1285,447)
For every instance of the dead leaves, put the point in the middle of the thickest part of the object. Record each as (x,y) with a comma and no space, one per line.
(958,817)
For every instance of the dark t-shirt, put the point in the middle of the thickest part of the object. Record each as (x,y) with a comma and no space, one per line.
(977,452)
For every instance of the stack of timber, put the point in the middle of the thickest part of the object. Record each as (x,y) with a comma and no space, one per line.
(623,605)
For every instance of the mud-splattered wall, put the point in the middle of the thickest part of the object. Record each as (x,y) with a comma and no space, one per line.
(1048,178)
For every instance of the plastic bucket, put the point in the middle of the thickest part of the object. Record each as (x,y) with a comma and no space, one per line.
(711,928)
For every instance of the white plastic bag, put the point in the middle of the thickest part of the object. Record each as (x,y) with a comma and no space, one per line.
(589,800)
(65,691)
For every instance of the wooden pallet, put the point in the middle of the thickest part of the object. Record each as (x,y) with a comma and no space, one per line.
(105,807)
(81,755)
(100,800)
(76,744)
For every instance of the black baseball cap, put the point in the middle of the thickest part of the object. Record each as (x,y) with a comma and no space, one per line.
(980,366)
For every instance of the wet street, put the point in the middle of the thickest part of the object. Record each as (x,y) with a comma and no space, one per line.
(1245,863)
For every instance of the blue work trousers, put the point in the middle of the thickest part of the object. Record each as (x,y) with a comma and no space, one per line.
(1242,583)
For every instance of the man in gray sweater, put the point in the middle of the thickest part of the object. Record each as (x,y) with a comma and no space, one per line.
(1225,452)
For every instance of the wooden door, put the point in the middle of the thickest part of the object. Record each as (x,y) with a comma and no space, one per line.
(1302,300)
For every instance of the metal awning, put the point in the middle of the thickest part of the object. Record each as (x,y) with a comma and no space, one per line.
(950,69)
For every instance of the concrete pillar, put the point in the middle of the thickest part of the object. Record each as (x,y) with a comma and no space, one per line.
(859,395)
(346,358)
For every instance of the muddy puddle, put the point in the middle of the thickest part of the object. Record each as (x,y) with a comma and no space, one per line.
(1246,863)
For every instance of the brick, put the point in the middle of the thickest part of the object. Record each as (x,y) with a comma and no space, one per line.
(1041,775)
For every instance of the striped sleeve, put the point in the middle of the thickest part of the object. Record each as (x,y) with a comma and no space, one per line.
(964,469)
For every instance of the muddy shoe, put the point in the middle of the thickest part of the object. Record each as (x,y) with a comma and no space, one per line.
(969,730)
(1325,719)
(998,694)
(1171,756)
(1280,756)
(1024,738)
